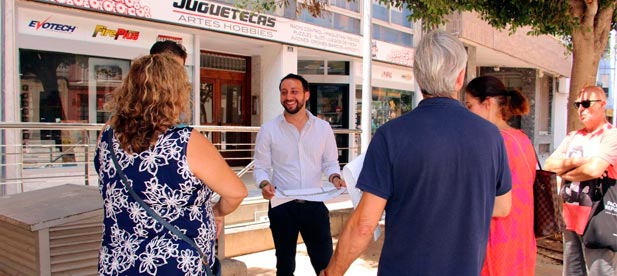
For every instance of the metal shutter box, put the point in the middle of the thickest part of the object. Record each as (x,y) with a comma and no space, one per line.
(51,231)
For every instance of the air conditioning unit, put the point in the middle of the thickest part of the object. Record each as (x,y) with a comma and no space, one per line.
(564,85)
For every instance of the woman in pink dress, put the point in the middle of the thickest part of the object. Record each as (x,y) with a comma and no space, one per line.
(511,248)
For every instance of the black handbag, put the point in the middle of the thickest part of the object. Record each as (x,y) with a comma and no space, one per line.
(152,213)
(601,231)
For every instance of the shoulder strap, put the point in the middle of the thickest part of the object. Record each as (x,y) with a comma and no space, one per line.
(149,210)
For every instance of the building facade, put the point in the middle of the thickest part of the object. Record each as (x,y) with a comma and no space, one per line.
(62,58)
(538,66)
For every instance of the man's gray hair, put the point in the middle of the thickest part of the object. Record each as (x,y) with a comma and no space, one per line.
(439,58)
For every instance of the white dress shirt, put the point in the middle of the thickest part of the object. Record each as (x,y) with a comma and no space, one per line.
(292,159)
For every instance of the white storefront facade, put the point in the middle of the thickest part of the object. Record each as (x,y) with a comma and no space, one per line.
(62,59)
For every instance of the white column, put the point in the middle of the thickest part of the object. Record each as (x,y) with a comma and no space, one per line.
(276,62)
(9,95)
(367,89)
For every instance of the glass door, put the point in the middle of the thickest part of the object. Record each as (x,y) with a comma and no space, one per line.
(329,102)
(223,102)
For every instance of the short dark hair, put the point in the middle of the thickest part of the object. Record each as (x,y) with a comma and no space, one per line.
(305,84)
(168,46)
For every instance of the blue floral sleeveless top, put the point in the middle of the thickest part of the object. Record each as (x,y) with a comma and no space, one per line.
(133,242)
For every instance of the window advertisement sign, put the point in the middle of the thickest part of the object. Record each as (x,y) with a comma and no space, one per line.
(41,23)
(223,18)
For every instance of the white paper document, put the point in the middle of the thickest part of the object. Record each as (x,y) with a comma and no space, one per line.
(351,172)
(310,194)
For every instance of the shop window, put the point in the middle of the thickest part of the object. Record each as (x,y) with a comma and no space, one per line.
(311,67)
(338,68)
(66,88)
(386,105)
(318,67)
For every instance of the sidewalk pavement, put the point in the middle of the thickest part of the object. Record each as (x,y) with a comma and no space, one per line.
(264,263)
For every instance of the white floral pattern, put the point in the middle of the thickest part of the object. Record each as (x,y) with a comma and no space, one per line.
(133,242)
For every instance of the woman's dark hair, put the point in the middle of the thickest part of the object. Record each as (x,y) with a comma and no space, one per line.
(511,102)
(169,46)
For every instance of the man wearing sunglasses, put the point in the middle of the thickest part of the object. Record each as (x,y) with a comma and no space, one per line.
(583,155)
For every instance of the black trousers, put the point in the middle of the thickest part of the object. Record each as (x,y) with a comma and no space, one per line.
(312,221)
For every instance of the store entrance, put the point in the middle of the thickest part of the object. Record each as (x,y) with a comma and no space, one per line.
(329,102)
(223,102)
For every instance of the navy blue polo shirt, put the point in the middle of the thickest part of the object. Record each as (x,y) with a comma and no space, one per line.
(440,168)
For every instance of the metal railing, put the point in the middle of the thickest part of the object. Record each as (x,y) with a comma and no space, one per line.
(29,162)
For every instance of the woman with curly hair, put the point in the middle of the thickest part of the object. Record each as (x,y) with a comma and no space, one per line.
(172,168)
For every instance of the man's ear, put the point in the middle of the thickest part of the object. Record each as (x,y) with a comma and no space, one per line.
(307,95)
(460,80)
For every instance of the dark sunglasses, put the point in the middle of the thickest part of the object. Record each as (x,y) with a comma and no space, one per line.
(585,103)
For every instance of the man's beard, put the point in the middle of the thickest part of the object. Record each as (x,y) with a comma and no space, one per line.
(295,110)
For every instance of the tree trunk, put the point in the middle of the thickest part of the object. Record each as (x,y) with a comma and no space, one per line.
(588,42)
(583,74)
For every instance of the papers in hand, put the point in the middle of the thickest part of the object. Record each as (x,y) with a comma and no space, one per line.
(310,194)
(351,172)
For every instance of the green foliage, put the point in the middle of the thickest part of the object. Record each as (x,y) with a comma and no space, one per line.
(545,17)
(552,17)
(314,7)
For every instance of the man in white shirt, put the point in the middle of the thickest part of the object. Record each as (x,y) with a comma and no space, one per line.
(291,153)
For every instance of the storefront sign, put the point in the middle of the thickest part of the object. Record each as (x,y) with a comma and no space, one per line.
(51,26)
(204,8)
(218,17)
(40,23)
(102,30)
(388,74)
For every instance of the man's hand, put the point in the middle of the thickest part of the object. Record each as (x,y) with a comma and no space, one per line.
(339,183)
(267,191)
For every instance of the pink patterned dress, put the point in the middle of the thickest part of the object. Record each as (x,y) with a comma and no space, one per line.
(511,248)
